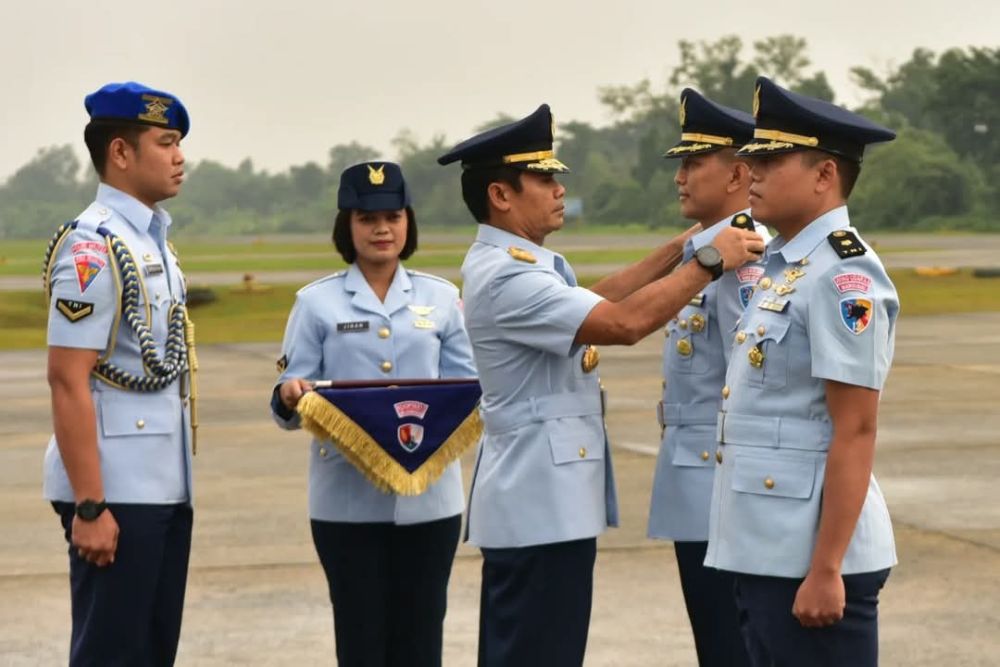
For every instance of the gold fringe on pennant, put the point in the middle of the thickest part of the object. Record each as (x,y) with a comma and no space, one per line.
(327,422)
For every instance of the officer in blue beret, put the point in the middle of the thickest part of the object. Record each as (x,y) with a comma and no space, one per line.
(387,557)
(121,370)
(543,489)
(712,187)
(796,513)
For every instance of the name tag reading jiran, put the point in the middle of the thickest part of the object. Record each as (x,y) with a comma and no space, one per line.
(401,434)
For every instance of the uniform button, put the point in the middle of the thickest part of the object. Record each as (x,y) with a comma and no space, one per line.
(765,283)
(383,332)
(768,483)
(718,455)
(760,330)
(103,211)
(147,257)
(140,423)
(805,261)
(704,456)
(322,452)
(157,296)
(583,452)
(683,324)
(725,392)
(741,336)
(386,366)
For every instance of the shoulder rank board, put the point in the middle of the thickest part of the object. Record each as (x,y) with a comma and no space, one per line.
(846,243)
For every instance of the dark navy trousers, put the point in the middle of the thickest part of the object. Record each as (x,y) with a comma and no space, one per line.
(389,589)
(129,613)
(710,598)
(775,638)
(534,608)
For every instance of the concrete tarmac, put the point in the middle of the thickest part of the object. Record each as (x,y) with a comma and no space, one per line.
(257,595)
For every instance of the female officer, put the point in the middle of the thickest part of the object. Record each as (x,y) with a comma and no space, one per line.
(387,558)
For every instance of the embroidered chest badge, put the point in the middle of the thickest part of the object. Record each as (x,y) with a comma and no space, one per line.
(88,267)
(856,314)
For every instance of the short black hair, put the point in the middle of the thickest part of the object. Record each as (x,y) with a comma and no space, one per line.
(99,134)
(344,244)
(847,169)
(476,182)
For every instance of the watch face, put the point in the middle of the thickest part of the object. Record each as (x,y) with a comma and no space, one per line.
(89,510)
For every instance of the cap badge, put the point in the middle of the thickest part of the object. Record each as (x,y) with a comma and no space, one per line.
(376,176)
(756,101)
(156,106)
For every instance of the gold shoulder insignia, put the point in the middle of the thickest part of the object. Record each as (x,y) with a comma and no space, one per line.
(743,221)
(522,255)
(846,243)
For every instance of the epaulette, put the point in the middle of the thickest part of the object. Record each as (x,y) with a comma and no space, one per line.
(846,243)
(522,255)
(320,281)
(93,217)
(421,274)
(743,221)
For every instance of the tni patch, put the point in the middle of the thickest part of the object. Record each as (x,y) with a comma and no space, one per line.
(88,267)
(856,314)
(74,311)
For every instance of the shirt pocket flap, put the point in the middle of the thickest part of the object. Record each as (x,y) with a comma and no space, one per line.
(132,414)
(771,328)
(574,439)
(786,478)
(694,448)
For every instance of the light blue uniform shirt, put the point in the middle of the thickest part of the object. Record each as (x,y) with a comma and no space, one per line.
(144,439)
(339,330)
(694,370)
(837,323)
(543,473)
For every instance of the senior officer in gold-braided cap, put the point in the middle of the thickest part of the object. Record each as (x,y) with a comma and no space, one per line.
(796,513)
(543,488)
(120,368)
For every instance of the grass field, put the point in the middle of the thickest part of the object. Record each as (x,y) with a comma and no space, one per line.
(238,316)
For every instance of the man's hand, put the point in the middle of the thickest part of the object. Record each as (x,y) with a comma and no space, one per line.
(96,541)
(738,246)
(292,390)
(820,600)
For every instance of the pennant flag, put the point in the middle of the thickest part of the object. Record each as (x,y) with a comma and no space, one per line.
(401,434)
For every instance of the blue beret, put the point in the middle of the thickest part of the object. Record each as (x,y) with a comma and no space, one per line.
(373,186)
(133,102)
(787,121)
(525,144)
(707,126)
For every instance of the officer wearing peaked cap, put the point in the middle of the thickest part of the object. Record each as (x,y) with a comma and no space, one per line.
(543,489)
(387,557)
(120,367)
(796,513)
(712,187)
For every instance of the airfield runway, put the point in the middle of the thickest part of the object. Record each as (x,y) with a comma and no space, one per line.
(257,596)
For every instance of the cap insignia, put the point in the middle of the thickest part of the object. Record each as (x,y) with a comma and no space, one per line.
(156,107)
(376,176)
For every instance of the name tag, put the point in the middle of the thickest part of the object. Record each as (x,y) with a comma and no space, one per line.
(153,269)
(351,327)
(423,323)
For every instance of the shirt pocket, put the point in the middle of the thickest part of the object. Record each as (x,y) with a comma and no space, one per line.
(766,352)
(134,415)
(576,439)
(688,349)
(693,447)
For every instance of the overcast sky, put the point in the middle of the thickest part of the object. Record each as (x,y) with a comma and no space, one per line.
(283,81)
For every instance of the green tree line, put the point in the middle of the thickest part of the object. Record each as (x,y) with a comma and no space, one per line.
(942,172)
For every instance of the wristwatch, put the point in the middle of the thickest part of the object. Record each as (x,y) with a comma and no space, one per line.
(710,259)
(89,510)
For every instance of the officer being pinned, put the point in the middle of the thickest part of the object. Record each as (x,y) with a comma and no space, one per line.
(796,513)
(121,369)
(543,489)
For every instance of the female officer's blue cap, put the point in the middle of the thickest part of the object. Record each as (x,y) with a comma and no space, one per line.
(787,121)
(707,127)
(373,186)
(133,102)
(525,144)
